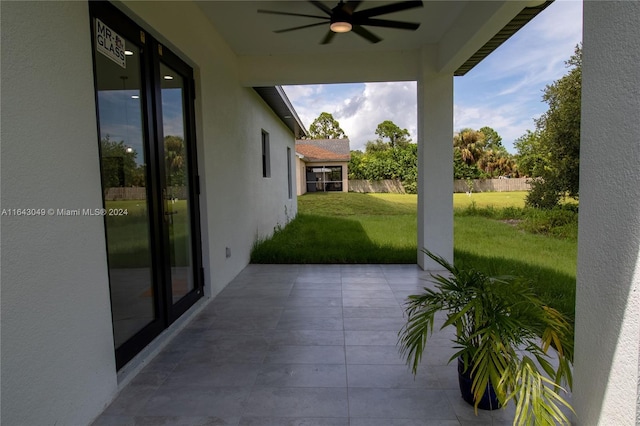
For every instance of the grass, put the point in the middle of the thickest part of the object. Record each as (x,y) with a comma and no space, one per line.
(128,235)
(492,232)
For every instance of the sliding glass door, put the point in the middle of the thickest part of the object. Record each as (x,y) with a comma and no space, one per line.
(144,97)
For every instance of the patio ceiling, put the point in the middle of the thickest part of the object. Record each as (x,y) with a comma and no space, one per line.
(456,30)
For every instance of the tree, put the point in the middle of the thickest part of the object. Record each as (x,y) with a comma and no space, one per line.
(326,127)
(389,130)
(175,158)
(531,159)
(480,154)
(492,139)
(119,168)
(470,144)
(553,150)
(560,125)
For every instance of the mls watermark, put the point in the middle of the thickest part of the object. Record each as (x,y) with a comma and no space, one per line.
(64,212)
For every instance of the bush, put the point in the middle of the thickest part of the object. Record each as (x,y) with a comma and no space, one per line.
(544,194)
(561,222)
(410,186)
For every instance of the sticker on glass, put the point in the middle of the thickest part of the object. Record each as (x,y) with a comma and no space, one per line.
(110,44)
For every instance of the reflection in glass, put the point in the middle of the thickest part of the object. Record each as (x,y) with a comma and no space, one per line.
(176,195)
(124,184)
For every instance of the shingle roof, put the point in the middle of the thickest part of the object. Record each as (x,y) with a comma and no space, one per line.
(315,150)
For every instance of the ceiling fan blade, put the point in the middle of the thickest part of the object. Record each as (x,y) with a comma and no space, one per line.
(351,6)
(326,9)
(300,27)
(400,25)
(327,38)
(275,12)
(362,32)
(389,8)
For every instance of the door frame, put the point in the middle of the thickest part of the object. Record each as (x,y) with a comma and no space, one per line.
(151,52)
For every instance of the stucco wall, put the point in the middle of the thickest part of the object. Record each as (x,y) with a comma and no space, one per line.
(57,360)
(608,281)
(300,176)
(57,347)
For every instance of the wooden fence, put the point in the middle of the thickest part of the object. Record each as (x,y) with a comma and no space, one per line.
(384,186)
(491,185)
(459,185)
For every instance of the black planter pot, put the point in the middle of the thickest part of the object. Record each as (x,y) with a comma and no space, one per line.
(489,401)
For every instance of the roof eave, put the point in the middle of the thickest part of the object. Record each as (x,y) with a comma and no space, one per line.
(519,21)
(277,100)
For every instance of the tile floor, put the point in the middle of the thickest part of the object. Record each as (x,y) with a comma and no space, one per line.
(294,345)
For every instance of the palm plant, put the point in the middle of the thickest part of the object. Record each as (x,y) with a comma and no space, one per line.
(504,334)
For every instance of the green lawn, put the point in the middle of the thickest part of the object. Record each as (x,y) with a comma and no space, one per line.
(128,235)
(382,228)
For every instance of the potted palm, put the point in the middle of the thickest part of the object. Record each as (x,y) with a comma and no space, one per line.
(505,337)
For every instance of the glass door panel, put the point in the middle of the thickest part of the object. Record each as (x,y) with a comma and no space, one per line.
(124,185)
(177,207)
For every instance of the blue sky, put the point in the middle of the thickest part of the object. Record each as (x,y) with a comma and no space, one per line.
(504,91)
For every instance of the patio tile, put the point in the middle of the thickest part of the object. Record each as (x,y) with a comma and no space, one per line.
(314,311)
(367,302)
(318,284)
(302,375)
(402,422)
(296,402)
(370,286)
(164,421)
(359,312)
(239,351)
(297,322)
(130,400)
(368,338)
(374,294)
(374,324)
(316,292)
(307,337)
(208,375)
(319,278)
(400,403)
(305,355)
(185,401)
(300,345)
(330,302)
(374,355)
(389,376)
(283,421)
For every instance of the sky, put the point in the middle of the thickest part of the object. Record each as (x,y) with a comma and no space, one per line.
(504,91)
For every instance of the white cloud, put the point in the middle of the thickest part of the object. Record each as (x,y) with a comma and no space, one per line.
(379,102)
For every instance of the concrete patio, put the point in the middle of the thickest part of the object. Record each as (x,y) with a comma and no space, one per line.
(300,345)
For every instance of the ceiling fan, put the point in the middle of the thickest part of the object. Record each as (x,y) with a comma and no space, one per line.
(344,18)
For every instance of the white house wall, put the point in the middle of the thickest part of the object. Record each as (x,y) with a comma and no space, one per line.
(607,335)
(57,344)
(57,361)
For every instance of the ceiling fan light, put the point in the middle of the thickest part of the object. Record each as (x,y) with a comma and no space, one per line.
(340,27)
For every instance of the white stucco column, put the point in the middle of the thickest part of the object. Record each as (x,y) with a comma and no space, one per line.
(435,160)
(608,284)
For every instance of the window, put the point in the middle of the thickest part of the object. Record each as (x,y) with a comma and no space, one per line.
(289,177)
(266,160)
(324,178)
